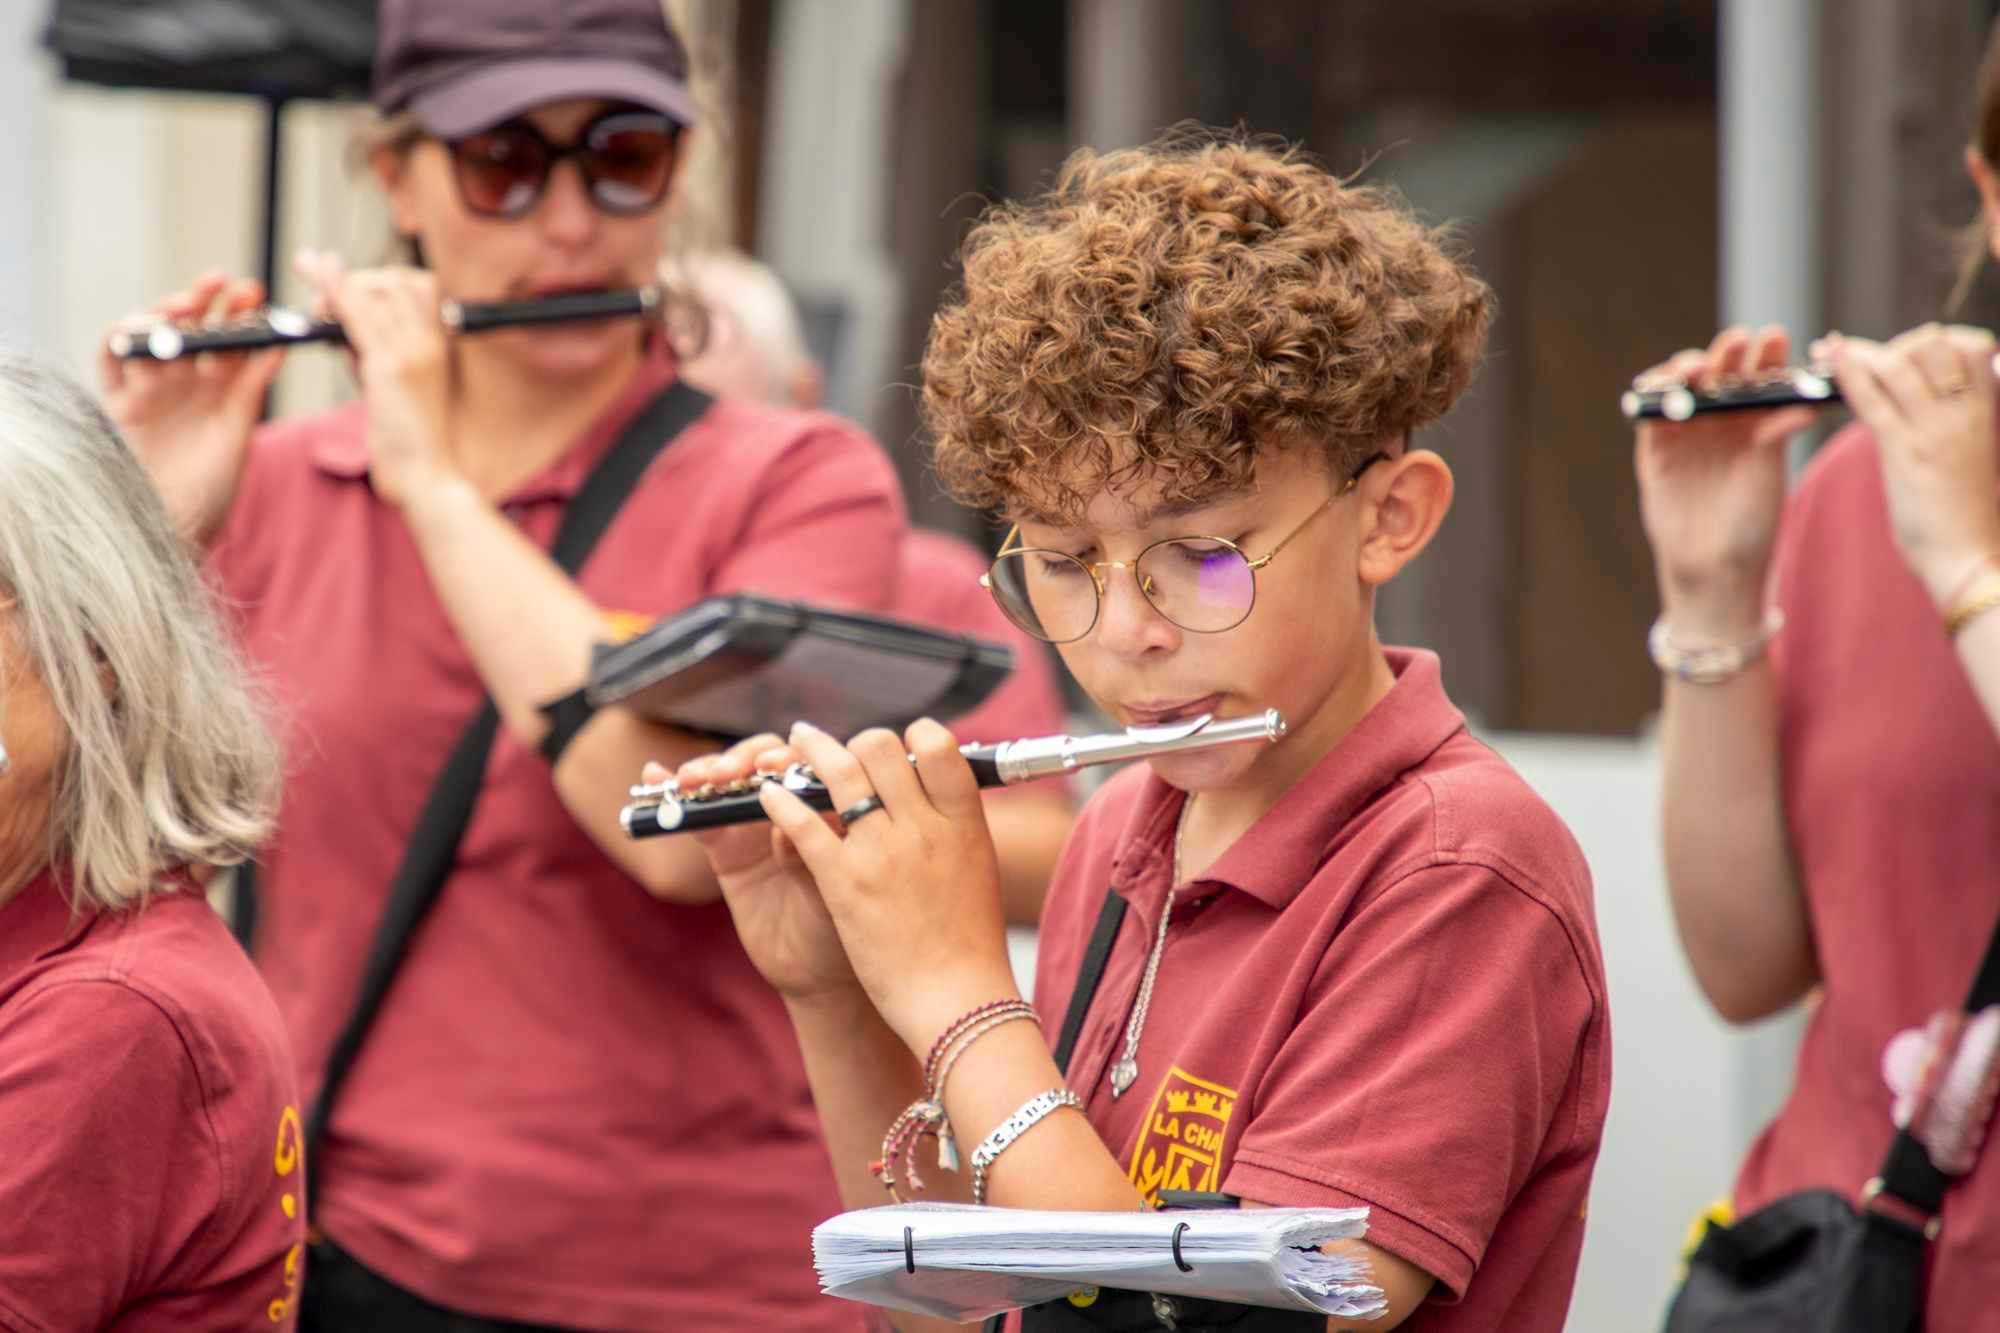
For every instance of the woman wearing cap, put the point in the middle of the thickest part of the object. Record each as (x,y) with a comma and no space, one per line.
(149,1166)
(578,1106)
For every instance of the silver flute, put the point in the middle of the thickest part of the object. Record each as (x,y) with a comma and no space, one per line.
(663,807)
(280,326)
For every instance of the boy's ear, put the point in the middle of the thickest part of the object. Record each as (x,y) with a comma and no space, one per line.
(1406,499)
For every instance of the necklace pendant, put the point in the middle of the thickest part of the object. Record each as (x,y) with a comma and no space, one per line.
(1123,1075)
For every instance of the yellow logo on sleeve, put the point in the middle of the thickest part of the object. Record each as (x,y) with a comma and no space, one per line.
(1180,1144)
(286,1161)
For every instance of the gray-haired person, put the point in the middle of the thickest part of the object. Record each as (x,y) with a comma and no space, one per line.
(149,1168)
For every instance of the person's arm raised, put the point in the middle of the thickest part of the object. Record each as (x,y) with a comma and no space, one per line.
(1929,397)
(1711,492)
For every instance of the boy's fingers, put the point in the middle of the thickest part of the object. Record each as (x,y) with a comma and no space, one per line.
(887,766)
(846,781)
(946,776)
(817,845)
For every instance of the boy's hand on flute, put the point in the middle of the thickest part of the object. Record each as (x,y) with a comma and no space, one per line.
(914,886)
(779,917)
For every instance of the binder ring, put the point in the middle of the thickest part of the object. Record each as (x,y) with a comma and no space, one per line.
(909,1252)
(1179,1262)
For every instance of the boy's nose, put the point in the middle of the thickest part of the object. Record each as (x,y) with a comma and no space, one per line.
(1127,623)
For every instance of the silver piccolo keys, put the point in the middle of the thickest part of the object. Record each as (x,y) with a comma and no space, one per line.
(281,327)
(664,808)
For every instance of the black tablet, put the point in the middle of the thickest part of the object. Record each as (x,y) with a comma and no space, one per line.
(734,666)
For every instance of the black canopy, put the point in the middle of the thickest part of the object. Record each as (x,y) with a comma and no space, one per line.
(273,49)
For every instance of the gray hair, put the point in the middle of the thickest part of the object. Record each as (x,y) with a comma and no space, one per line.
(170,760)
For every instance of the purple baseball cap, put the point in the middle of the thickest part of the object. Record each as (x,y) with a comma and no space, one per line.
(461,66)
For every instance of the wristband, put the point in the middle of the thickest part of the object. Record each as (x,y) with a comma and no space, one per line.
(566,716)
(1710,665)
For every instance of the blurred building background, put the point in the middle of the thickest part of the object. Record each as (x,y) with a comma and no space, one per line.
(1626,175)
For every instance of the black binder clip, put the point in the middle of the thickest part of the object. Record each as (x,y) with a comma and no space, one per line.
(910,1251)
(1179,1262)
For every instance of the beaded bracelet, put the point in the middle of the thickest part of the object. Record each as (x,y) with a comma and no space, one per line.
(1013,1127)
(926,1115)
(1710,664)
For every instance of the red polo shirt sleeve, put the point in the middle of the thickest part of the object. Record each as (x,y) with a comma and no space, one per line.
(1387,1094)
(109,1168)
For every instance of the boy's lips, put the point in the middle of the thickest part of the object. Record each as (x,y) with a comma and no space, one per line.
(1155,713)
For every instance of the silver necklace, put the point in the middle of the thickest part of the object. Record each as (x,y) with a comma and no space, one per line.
(1126,1071)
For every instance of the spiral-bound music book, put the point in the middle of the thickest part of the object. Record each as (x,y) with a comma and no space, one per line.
(962,1262)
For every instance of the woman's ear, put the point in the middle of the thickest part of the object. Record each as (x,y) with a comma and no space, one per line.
(1981,171)
(1405,500)
(391,166)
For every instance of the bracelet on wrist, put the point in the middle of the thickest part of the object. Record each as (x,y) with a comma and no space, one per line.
(1710,664)
(1980,594)
(1013,1127)
(926,1115)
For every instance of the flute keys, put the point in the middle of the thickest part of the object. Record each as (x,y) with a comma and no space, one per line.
(165,342)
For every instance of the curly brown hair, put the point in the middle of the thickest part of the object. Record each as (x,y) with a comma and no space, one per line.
(1163,311)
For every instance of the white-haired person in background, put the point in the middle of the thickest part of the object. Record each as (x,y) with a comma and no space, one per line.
(149,1173)
(754,348)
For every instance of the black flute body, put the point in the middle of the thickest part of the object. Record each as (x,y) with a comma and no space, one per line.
(664,809)
(1794,386)
(281,327)
(1678,402)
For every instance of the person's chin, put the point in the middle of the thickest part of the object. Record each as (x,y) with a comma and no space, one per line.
(1205,770)
(571,352)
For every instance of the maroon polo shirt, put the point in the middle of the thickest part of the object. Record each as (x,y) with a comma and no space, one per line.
(579,1105)
(1387,994)
(150,1179)
(1891,778)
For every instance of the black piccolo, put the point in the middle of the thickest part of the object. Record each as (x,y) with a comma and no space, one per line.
(281,326)
(1794,386)
(664,808)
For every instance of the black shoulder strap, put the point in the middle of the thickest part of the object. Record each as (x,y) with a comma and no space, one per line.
(1907,1171)
(1091,971)
(1089,974)
(433,847)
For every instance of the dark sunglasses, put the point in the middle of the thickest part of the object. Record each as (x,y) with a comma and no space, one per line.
(626,157)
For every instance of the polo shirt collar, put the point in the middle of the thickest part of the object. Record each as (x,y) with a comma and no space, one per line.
(37,921)
(342,450)
(1285,848)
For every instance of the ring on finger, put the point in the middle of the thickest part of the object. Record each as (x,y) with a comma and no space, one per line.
(867,805)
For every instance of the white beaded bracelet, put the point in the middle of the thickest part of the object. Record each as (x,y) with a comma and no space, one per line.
(1712,664)
(1013,1127)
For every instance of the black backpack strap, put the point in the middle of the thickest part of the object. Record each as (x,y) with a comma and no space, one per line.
(1091,971)
(1089,974)
(433,847)
(1907,1172)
